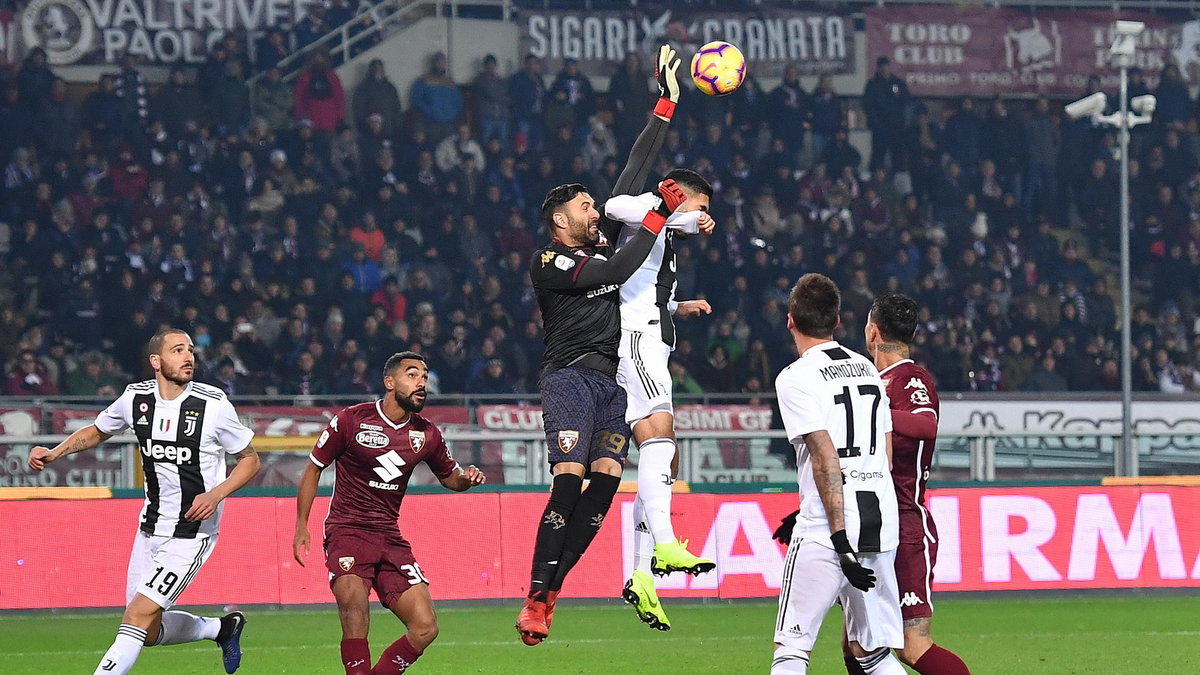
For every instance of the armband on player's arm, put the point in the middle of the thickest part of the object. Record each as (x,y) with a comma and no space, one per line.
(919,425)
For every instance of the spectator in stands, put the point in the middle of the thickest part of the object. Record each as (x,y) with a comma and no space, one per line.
(1043,142)
(273,100)
(789,104)
(313,26)
(58,122)
(376,95)
(28,378)
(229,100)
(271,49)
(454,150)
(492,104)
(318,97)
(91,378)
(35,78)
(824,115)
(437,99)
(571,99)
(1045,377)
(885,101)
(527,87)
(1174,103)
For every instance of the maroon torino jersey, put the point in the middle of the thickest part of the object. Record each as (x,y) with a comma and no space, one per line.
(374,461)
(910,389)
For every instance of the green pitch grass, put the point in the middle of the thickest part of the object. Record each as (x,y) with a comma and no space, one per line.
(1094,635)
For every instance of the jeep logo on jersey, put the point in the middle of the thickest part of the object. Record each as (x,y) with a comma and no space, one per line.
(567,440)
(371,439)
(417,440)
(165,452)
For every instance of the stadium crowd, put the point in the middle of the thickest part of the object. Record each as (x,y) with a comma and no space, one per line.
(302,231)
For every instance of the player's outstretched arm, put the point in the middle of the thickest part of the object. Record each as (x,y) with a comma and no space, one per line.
(650,141)
(464,479)
(84,439)
(306,492)
(205,505)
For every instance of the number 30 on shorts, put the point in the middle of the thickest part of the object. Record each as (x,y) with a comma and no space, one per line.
(414,573)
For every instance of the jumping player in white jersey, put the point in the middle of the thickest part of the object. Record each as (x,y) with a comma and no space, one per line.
(647,339)
(184,431)
(842,547)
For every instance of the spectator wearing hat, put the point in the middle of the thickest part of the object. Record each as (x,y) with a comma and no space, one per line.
(885,100)
(571,100)
(91,378)
(274,100)
(528,88)
(271,49)
(319,97)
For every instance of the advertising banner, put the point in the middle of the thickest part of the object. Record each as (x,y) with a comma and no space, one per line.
(991,539)
(771,38)
(978,51)
(158,31)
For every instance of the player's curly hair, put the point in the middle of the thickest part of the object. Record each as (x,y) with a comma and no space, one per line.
(558,196)
(394,360)
(896,316)
(814,305)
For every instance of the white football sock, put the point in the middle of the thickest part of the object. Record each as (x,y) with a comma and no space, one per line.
(643,541)
(180,627)
(123,653)
(654,486)
(881,662)
(789,661)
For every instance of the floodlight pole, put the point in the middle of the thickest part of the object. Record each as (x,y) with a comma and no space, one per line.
(1129,451)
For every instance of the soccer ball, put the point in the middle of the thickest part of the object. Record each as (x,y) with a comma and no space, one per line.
(718,68)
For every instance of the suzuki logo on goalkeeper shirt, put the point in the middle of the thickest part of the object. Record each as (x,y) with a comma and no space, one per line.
(389,466)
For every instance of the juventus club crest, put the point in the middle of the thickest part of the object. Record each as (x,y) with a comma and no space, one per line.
(346,562)
(567,440)
(416,439)
(189,422)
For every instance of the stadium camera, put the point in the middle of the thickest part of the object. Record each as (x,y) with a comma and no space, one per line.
(1144,104)
(1125,40)
(1088,106)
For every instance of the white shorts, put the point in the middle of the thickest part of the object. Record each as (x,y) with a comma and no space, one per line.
(160,568)
(643,374)
(813,581)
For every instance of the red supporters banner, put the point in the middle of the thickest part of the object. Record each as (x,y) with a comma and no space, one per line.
(954,51)
(991,539)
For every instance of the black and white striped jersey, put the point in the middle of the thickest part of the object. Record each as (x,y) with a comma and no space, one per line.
(834,389)
(183,443)
(647,295)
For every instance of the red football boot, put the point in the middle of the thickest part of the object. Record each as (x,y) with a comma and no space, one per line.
(531,622)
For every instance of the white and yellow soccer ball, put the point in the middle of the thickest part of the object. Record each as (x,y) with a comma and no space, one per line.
(718,68)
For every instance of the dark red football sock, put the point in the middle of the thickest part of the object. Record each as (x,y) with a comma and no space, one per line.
(853,667)
(397,658)
(938,661)
(356,656)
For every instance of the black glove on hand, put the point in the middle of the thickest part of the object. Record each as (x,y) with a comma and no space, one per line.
(862,578)
(783,533)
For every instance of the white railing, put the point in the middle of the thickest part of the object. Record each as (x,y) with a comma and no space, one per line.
(706,456)
(374,25)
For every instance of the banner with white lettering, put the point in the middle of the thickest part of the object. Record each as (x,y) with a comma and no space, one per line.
(982,51)
(158,31)
(771,38)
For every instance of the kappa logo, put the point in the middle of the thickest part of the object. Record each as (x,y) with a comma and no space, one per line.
(417,440)
(567,440)
(547,256)
(915,383)
(910,599)
(346,562)
(371,439)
